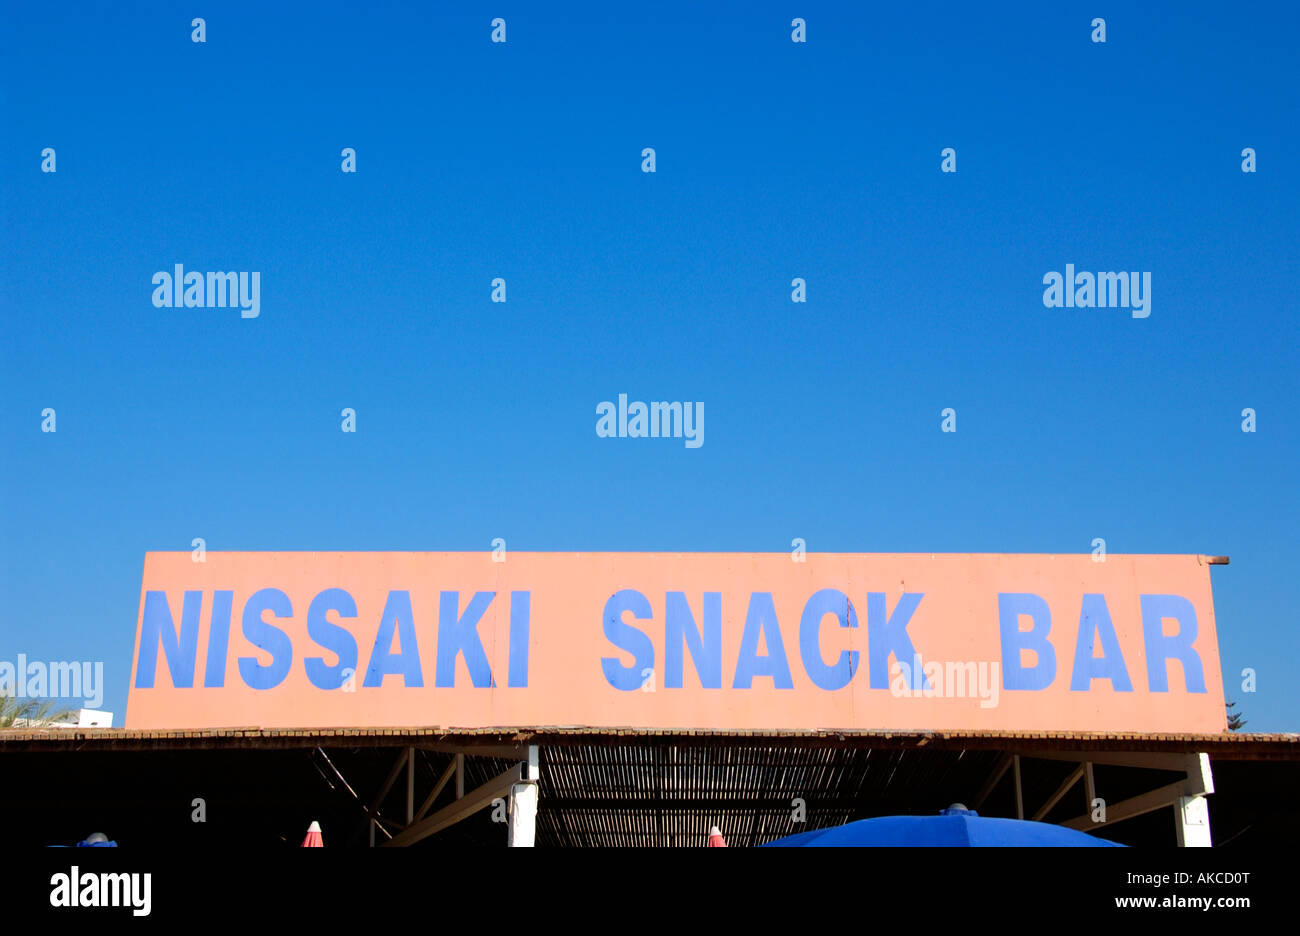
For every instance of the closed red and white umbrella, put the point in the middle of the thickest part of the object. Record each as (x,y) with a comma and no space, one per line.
(313,839)
(715,838)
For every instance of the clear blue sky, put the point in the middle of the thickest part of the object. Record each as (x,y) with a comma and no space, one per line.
(522,160)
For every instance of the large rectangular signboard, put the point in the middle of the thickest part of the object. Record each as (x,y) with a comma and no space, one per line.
(721,641)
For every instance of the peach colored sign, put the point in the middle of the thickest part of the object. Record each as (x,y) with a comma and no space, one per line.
(685,640)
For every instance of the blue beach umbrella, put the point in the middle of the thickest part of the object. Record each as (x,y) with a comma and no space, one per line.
(954,826)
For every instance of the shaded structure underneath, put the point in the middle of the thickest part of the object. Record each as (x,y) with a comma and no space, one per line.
(433,787)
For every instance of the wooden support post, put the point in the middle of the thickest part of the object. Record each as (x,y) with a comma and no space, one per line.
(410,785)
(1020,796)
(523,804)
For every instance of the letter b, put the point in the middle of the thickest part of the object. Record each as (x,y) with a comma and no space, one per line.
(1015,675)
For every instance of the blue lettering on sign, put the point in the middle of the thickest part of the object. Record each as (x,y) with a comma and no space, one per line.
(266,637)
(332,637)
(627,638)
(458,635)
(520,605)
(886,635)
(1176,646)
(706,649)
(1015,675)
(157,626)
(761,622)
(400,620)
(214,674)
(1094,620)
(827,601)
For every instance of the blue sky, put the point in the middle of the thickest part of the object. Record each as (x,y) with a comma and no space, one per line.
(774,160)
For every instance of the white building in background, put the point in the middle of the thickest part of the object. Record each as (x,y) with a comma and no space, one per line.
(86,718)
(93,718)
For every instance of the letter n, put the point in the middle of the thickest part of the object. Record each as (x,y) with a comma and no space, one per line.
(157,626)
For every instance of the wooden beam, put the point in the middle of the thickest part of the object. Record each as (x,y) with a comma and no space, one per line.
(508,752)
(1183,763)
(410,785)
(437,788)
(1020,796)
(1055,798)
(467,805)
(392,778)
(999,772)
(1167,795)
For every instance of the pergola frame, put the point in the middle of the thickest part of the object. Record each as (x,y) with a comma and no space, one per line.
(741,776)
(517,787)
(1186,796)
